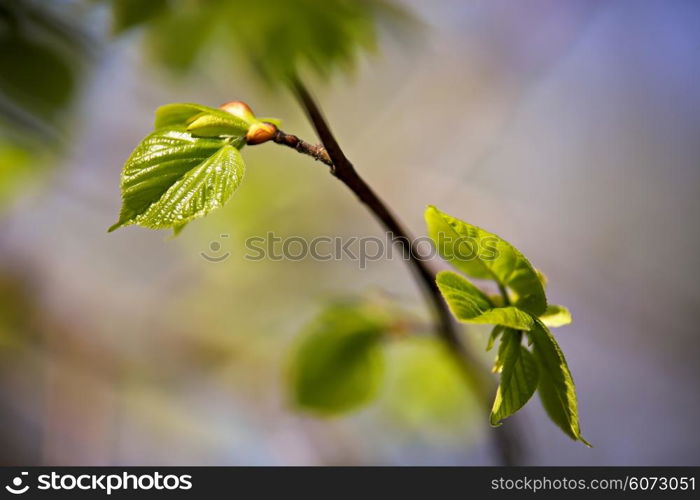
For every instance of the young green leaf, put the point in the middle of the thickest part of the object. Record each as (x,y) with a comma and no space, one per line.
(184,114)
(471,305)
(519,377)
(556,316)
(207,125)
(501,354)
(556,385)
(275,121)
(177,229)
(495,333)
(481,254)
(172,178)
(339,364)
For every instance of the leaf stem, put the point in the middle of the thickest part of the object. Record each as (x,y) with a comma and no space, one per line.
(504,293)
(477,376)
(317,152)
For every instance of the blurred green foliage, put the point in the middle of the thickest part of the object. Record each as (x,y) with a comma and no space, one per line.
(339,363)
(17,310)
(362,349)
(280,39)
(42,55)
(15,169)
(130,13)
(425,390)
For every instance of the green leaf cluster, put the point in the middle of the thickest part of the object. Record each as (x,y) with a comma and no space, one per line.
(521,311)
(188,166)
(279,39)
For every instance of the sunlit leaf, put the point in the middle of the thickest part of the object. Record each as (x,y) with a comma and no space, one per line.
(206,125)
(275,121)
(543,278)
(184,114)
(172,178)
(481,254)
(556,385)
(501,353)
(495,333)
(519,377)
(556,316)
(471,305)
(339,364)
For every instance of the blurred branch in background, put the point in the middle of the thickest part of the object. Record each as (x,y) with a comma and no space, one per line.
(20,319)
(43,54)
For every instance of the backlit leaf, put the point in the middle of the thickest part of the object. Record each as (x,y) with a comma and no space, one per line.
(556,316)
(495,333)
(471,305)
(172,178)
(481,254)
(556,385)
(519,377)
(501,354)
(184,114)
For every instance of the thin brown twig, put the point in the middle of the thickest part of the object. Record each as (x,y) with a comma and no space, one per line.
(317,152)
(506,443)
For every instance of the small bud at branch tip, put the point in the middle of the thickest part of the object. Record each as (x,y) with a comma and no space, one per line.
(239,109)
(260,132)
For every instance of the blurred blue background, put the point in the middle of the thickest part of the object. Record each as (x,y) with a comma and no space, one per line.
(569,128)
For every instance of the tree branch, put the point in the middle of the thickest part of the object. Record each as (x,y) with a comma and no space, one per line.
(317,152)
(331,154)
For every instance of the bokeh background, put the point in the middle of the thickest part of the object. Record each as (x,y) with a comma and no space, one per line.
(568,127)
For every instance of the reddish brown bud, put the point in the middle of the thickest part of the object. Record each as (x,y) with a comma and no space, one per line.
(239,109)
(260,132)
